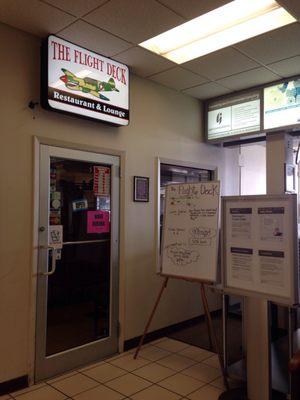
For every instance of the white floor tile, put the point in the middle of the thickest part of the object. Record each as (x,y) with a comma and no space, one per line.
(196,353)
(172,345)
(176,362)
(155,393)
(129,363)
(212,361)
(119,355)
(181,384)
(61,377)
(128,384)
(104,372)
(89,366)
(45,392)
(205,393)
(203,372)
(154,372)
(153,353)
(75,384)
(99,392)
(154,342)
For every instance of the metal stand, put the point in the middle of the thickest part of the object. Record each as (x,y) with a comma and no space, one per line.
(212,335)
(164,285)
(211,331)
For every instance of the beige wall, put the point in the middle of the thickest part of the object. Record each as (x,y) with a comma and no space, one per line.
(163,123)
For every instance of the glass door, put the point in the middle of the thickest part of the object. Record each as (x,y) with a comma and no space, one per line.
(77,298)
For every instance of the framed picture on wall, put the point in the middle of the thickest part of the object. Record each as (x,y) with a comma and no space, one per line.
(140,188)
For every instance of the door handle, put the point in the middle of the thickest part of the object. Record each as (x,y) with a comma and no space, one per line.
(53,264)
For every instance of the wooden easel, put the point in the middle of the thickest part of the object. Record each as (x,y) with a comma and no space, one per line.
(211,332)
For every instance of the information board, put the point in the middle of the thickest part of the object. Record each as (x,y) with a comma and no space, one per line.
(191,231)
(78,81)
(282,104)
(260,247)
(234,116)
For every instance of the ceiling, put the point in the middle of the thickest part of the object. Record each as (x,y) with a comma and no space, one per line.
(115,27)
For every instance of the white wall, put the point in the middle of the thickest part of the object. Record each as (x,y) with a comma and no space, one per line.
(253,169)
(164,123)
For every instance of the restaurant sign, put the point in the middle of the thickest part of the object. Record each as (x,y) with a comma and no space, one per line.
(78,81)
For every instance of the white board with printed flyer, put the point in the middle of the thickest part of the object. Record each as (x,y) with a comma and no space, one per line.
(191,231)
(260,247)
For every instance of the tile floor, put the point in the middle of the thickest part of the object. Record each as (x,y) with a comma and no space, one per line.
(165,370)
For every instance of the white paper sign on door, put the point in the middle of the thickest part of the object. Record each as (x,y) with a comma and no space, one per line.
(56,236)
(101,181)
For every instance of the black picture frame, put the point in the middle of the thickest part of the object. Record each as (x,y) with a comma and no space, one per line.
(141,189)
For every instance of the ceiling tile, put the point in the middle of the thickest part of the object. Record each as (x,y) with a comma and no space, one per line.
(221,63)
(193,8)
(273,46)
(255,77)
(286,68)
(39,18)
(292,6)
(94,39)
(178,78)
(207,91)
(134,20)
(142,62)
(78,7)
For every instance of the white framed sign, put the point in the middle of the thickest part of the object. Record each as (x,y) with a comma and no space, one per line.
(191,231)
(260,247)
(81,82)
(233,116)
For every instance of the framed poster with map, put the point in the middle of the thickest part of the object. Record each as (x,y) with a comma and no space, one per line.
(282,105)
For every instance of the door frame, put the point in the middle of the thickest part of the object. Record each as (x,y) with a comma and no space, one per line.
(37,142)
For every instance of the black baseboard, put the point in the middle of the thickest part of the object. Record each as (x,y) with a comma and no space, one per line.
(159,333)
(14,384)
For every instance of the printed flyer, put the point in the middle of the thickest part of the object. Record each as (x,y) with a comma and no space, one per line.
(260,247)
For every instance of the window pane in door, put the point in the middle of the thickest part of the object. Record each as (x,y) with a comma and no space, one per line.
(78,300)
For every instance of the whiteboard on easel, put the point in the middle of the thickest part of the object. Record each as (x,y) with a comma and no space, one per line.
(260,247)
(191,231)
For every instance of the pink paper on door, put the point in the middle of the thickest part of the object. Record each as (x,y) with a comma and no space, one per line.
(98,222)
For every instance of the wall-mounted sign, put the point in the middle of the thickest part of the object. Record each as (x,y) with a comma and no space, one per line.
(101,181)
(260,247)
(78,81)
(282,104)
(98,222)
(235,116)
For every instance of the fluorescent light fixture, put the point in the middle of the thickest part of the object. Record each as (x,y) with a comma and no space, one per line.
(236,21)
